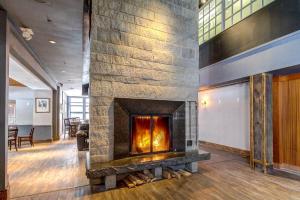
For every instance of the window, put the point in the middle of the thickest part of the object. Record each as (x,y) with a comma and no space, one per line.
(210,19)
(12,112)
(218,15)
(78,107)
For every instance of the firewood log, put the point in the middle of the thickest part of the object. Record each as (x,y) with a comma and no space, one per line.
(166,174)
(144,177)
(174,174)
(135,179)
(148,173)
(184,173)
(154,179)
(128,183)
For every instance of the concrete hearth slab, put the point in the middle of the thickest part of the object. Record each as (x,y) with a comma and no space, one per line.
(142,162)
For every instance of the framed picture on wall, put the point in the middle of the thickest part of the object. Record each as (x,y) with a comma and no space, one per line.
(42,105)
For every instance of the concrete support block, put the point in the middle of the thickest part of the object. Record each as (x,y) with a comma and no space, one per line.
(192,167)
(157,172)
(110,182)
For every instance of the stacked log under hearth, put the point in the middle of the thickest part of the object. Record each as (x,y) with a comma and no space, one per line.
(145,176)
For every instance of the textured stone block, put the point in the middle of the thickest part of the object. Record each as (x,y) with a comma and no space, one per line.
(100,158)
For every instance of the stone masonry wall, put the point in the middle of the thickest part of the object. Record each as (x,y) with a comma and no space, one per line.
(145,49)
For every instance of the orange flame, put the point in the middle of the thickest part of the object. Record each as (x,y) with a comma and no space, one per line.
(141,132)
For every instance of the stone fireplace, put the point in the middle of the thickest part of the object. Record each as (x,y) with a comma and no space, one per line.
(143,77)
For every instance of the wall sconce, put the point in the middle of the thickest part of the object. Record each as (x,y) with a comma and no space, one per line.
(204,103)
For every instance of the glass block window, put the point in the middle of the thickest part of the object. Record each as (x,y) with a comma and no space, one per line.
(216,16)
(210,20)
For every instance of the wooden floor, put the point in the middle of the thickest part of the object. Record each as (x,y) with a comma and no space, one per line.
(46,167)
(225,176)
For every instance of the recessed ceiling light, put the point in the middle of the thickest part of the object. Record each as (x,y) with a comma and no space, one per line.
(52,41)
(63,71)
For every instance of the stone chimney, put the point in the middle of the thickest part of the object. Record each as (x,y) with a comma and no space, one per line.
(141,49)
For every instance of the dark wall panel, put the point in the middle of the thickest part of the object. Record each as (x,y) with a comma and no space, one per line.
(121,131)
(273,21)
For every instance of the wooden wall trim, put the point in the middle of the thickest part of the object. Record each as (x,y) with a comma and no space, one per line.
(286,118)
(241,152)
(286,78)
(251,85)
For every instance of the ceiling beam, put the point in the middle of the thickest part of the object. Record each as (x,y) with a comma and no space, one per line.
(25,55)
(86,40)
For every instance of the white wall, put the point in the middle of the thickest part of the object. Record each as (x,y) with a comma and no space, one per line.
(24,109)
(43,118)
(25,115)
(225,118)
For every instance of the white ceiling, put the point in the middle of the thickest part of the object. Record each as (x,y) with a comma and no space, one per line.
(53,20)
(73,92)
(21,74)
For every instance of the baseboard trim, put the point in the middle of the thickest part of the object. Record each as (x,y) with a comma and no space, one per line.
(42,141)
(287,167)
(241,152)
(285,173)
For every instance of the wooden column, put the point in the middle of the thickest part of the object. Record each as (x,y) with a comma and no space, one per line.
(55,113)
(261,132)
(4,51)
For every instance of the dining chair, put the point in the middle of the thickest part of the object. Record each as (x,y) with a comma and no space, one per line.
(12,138)
(26,138)
(67,126)
(73,129)
(77,119)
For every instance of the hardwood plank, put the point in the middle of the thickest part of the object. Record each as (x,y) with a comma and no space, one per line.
(46,167)
(225,176)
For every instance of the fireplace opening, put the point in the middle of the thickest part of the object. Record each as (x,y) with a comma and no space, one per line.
(150,134)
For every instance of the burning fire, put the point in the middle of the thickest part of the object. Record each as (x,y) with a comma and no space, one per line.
(143,134)
(161,134)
